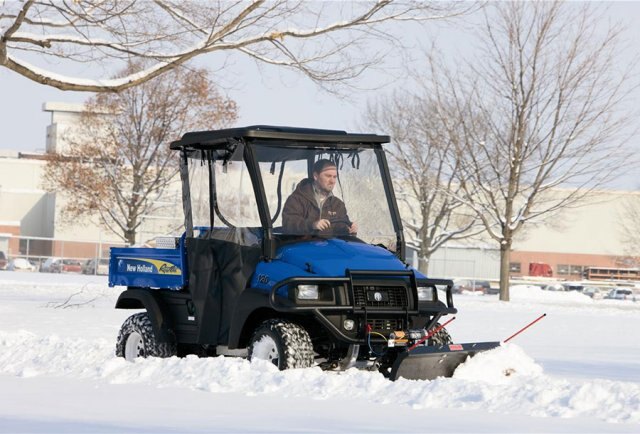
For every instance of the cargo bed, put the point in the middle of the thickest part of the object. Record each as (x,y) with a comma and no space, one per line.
(146,267)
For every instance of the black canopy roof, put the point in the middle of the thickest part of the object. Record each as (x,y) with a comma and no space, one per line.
(281,135)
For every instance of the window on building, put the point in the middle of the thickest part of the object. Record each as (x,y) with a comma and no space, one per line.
(514,267)
(576,269)
(563,269)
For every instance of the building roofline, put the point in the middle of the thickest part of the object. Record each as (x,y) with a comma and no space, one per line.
(72,107)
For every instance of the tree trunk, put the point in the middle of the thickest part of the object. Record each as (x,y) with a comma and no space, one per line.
(130,236)
(423,264)
(505,256)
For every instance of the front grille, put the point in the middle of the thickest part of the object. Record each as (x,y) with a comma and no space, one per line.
(385,325)
(389,296)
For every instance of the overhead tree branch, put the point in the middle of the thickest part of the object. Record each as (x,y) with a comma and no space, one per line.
(300,35)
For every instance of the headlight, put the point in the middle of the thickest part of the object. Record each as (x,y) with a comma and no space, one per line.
(425,293)
(308,292)
(348,324)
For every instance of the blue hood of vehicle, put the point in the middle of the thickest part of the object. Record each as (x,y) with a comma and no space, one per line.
(330,258)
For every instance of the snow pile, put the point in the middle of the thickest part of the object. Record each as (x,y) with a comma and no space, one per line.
(498,366)
(502,380)
(470,293)
(533,292)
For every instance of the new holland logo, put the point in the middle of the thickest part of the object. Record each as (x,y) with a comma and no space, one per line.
(153,266)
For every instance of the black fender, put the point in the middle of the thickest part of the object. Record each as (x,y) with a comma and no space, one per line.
(153,304)
(251,309)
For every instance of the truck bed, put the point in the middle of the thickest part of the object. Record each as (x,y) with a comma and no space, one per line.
(144,267)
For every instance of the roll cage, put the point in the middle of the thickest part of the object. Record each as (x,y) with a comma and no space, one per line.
(283,143)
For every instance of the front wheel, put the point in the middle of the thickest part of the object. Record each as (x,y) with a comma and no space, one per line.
(285,344)
(441,338)
(137,339)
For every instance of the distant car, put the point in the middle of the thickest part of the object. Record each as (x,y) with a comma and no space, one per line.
(67,266)
(554,287)
(21,264)
(523,287)
(569,286)
(89,267)
(469,285)
(593,292)
(493,290)
(50,265)
(3,261)
(621,294)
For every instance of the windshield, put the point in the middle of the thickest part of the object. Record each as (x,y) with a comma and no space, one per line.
(326,193)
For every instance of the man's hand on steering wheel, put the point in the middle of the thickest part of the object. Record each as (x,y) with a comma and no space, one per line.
(322,224)
(351,228)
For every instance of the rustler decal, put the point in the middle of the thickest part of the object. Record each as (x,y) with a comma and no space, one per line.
(147,265)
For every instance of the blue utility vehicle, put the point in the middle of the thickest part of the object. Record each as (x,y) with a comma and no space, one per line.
(240,282)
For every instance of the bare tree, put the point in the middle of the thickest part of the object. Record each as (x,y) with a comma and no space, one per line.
(327,41)
(424,173)
(630,229)
(540,118)
(118,164)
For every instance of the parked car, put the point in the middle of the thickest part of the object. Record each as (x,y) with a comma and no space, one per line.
(493,290)
(622,294)
(96,266)
(50,265)
(522,287)
(554,287)
(3,261)
(571,286)
(68,266)
(593,292)
(21,264)
(470,285)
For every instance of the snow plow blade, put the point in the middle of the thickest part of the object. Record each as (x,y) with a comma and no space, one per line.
(428,363)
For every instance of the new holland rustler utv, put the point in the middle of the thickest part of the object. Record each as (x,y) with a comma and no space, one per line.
(239,281)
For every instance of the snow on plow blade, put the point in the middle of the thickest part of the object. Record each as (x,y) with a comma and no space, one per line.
(427,363)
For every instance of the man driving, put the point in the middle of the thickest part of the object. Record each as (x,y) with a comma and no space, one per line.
(312,207)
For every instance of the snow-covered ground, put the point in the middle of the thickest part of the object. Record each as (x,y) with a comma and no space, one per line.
(577,370)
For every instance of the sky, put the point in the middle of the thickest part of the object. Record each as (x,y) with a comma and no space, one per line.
(269,95)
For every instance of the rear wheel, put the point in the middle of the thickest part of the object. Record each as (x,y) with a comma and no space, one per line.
(285,344)
(137,339)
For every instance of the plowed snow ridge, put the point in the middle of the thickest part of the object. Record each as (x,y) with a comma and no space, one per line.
(37,340)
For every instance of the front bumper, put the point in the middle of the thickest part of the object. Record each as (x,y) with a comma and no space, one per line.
(346,302)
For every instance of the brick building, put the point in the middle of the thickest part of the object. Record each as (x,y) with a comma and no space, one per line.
(587,236)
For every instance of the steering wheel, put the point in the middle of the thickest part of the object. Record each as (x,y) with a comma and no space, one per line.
(343,230)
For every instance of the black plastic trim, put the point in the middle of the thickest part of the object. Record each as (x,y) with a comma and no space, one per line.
(136,298)
(186,194)
(268,245)
(392,203)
